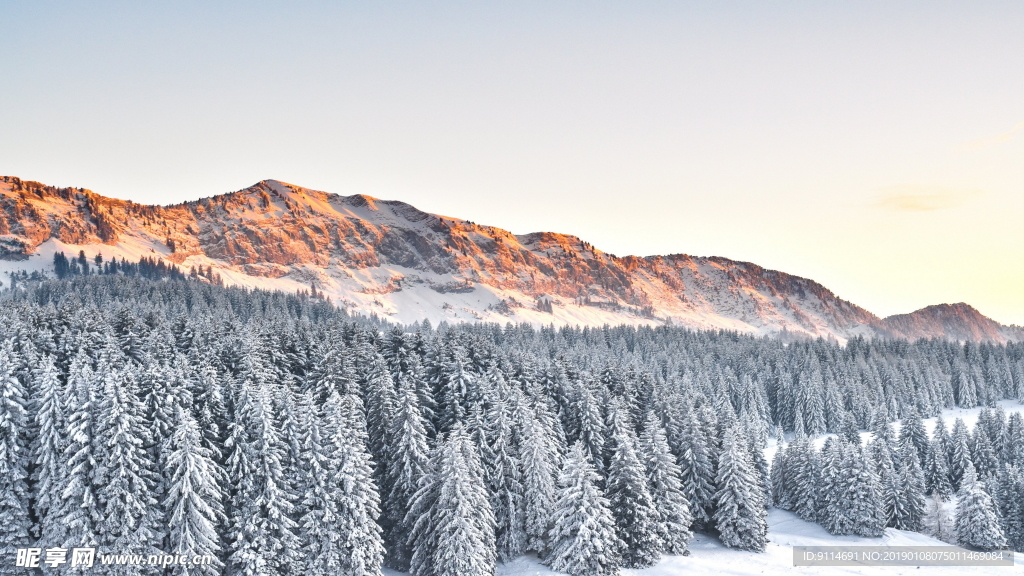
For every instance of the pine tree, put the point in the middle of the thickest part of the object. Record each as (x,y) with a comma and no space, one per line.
(124,475)
(849,429)
(913,432)
(665,484)
(1011,506)
(262,536)
(381,402)
(14,453)
(634,510)
(456,388)
(79,509)
(453,533)
(194,500)
(977,523)
(740,517)
(903,494)
(780,478)
(538,482)
(983,454)
(357,549)
(832,482)
(50,419)
(583,535)
(1013,447)
(503,472)
(761,468)
(853,505)
(936,472)
(805,467)
(590,428)
(406,465)
(317,509)
(698,470)
(959,454)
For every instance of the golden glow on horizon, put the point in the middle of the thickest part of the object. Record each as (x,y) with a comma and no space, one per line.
(913,198)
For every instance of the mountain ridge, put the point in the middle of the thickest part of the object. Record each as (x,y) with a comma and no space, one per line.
(390,258)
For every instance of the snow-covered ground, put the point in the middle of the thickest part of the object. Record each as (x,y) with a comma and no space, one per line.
(785,530)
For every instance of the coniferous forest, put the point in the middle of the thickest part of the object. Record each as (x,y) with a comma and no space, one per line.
(281,436)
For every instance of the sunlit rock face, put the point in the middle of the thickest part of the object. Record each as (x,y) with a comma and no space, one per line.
(391,259)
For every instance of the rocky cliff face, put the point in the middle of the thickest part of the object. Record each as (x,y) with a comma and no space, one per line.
(391,259)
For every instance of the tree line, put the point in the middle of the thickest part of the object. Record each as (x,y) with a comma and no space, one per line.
(280,435)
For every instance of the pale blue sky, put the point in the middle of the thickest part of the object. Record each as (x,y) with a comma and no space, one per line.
(876,147)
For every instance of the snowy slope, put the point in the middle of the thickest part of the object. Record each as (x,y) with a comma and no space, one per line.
(785,530)
(391,259)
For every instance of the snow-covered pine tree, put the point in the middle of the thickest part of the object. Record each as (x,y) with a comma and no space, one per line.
(316,507)
(832,484)
(849,429)
(740,515)
(805,467)
(636,518)
(665,484)
(208,406)
(1011,506)
(936,472)
(194,500)
(503,472)
(15,457)
(756,437)
(538,481)
(48,448)
(1013,447)
(913,432)
(159,399)
(853,502)
(698,469)
(262,535)
(453,531)
(357,548)
(881,449)
(590,426)
(583,536)
(406,463)
(780,477)
(330,371)
(457,384)
(977,523)
(903,493)
(940,436)
(79,509)
(983,454)
(381,401)
(124,476)
(812,400)
(959,453)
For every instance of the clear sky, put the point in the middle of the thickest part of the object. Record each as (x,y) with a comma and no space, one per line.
(877,147)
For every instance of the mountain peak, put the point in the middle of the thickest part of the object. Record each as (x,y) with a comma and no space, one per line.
(959,321)
(392,259)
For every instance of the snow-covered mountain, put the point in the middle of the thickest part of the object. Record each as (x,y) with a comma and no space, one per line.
(953,321)
(391,259)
